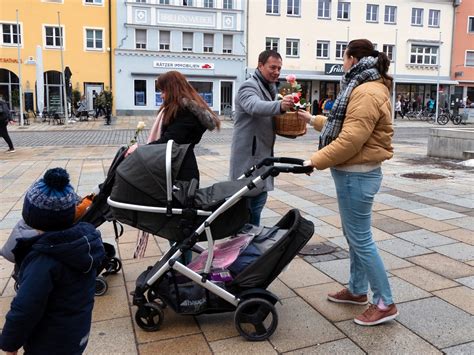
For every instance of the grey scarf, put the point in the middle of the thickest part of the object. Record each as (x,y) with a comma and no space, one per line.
(360,73)
(271,87)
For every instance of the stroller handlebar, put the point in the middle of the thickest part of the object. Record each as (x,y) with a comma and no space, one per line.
(275,170)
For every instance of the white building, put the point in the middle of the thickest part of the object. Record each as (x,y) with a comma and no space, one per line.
(203,39)
(311,36)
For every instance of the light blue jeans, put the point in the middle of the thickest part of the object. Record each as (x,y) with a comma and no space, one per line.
(355,197)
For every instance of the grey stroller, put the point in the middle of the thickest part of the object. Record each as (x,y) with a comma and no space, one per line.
(147,195)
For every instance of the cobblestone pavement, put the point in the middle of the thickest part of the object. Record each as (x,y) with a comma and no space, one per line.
(424,230)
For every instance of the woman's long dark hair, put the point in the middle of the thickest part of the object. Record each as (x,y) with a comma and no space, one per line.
(176,87)
(360,48)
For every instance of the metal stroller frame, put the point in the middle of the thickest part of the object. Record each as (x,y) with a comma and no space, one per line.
(149,315)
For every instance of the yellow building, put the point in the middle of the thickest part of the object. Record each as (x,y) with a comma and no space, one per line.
(86,27)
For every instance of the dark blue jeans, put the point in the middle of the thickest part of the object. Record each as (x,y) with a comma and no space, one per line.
(256,206)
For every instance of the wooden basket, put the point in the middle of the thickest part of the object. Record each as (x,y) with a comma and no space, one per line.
(289,125)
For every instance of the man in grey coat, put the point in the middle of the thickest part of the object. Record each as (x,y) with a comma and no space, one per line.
(254,135)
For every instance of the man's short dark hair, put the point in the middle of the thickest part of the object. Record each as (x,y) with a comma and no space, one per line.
(263,57)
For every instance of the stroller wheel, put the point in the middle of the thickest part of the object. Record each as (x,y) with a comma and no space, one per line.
(256,319)
(115,265)
(101,286)
(149,316)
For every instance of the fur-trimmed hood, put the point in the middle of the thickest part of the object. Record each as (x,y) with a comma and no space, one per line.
(205,117)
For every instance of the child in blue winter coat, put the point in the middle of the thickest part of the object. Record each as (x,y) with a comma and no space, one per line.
(56,262)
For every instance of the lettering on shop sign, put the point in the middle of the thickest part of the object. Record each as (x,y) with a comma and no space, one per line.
(333,69)
(183,65)
(9,60)
(175,18)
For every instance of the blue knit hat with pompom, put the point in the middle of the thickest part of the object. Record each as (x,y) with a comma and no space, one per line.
(50,203)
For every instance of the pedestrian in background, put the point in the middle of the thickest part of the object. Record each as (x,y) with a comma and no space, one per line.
(5,118)
(398,107)
(254,136)
(355,139)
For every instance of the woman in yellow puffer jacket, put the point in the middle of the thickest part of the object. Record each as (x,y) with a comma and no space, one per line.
(356,138)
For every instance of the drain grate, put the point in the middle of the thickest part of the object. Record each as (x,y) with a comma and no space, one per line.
(425,176)
(317,249)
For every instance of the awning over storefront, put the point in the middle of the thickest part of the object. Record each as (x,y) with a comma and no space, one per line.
(431,80)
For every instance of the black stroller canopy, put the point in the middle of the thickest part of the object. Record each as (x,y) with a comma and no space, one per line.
(145,169)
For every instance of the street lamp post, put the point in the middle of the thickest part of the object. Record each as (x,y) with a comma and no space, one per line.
(394,57)
(437,79)
(61,39)
(20,91)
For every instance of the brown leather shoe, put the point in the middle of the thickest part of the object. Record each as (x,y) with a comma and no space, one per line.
(344,296)
(374,315)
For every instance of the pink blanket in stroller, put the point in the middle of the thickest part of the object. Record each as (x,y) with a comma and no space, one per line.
(224,253)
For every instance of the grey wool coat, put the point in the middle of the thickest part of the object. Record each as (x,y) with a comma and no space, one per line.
(254,134)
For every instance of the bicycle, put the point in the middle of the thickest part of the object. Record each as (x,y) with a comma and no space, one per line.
(446,116)
(227,111)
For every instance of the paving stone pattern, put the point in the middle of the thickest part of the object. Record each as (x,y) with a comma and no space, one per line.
(423,229)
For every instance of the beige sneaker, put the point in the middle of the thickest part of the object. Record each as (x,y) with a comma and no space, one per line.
(344,296)
(374,315)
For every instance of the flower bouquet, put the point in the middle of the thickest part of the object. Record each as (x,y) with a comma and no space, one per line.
(288,124)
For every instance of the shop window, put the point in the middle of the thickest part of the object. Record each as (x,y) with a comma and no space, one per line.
(388,50)
(208,43)
(416,17)
(53,90)
(188,42)
(228,4)
(470,94)
(322,49)
(140,92)
(165,39)
(272,43)
(140,39)
(273,7)
(433,18)
(204,89)
(469,59)
(372,13)
(53,36)
(292,47)
(228,44)
(427,55)
(293,7)
(324,9)
(343,10)
(94,39)
(158,97)
(10,34)
(340,48)
(390,15)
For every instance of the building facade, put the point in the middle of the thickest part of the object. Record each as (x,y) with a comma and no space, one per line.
(83,26)
(203,39)
(311,36)
(462,66)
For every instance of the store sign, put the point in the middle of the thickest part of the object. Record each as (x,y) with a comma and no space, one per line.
(8,60)
(183,65)
(333,69)
(178,18)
